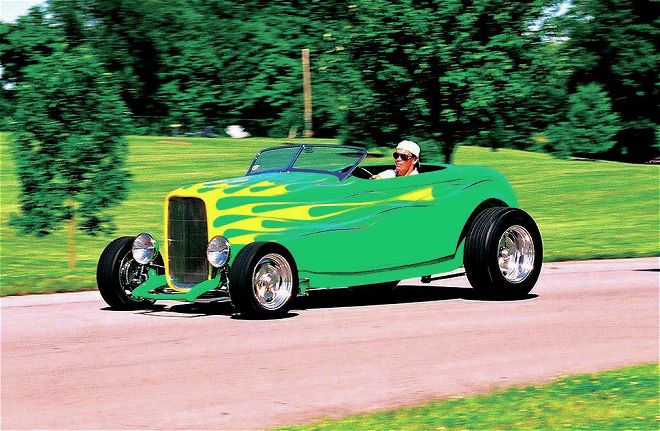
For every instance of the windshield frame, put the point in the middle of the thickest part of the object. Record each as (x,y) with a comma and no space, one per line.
(290,167)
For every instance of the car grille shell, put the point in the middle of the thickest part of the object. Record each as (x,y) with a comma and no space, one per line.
(187,238)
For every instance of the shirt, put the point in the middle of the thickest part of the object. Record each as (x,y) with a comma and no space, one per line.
(391,173)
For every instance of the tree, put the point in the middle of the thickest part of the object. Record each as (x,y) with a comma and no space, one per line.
(614,43)
(130,39)
(205,62)
(446,72)
(21,44)
(485,72)
(68,146)
(591,126)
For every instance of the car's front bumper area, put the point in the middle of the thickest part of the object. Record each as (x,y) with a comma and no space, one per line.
(156,287)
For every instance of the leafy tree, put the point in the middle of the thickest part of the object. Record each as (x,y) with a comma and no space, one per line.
(262,64)
(591,126)
(21,45)
(124,36)
(68,146)
(204,62)
(446,72)
(484,72)
(5,107)
(614,43)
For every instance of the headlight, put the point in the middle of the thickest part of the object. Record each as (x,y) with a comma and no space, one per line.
(145,248)
(217,252)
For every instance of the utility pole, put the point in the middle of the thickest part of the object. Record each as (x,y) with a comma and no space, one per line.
(307,91)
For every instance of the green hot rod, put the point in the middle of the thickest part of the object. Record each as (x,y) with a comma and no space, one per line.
(308,217)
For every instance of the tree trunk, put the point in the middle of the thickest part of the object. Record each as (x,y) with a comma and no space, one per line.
(72,243)
(307,94)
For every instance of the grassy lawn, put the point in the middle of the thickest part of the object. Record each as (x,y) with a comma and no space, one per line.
(625,399)
(585,209)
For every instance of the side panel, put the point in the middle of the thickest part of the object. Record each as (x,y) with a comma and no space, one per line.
(413,232)
(355,229)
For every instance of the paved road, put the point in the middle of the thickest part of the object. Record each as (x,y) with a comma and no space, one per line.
(69,363)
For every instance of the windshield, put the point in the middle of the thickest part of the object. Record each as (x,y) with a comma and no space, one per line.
(338,160)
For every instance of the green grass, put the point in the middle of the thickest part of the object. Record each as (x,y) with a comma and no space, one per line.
(625,399)
(584,209)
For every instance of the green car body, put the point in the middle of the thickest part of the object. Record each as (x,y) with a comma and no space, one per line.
(317,204)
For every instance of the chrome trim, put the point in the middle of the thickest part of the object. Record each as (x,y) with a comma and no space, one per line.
(187,239)
(145,244)
(515,254)
(218,247)
(131,273)
(272,281)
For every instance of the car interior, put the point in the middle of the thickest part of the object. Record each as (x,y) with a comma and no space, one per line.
(365,172)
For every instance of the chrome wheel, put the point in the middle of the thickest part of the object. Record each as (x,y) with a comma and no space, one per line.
(515,254)
(131,273)
(272,281)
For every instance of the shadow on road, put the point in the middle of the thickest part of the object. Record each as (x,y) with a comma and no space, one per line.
(333,298)
(399,295)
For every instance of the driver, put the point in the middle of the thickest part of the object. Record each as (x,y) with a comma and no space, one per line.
(406,161)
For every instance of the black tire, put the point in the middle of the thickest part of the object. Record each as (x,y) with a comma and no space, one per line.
(114,290)
(483,253)
(246,295)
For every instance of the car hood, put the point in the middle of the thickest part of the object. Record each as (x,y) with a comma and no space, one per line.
(244,208)
(251,187)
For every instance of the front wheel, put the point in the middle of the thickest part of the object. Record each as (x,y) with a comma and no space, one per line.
(118,274)
(263,280)
(503,253)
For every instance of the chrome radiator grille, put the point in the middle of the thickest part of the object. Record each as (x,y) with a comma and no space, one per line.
(186,240)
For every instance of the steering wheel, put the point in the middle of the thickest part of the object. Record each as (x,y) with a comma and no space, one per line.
(365,170)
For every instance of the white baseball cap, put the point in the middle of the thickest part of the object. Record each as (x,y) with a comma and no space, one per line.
(409,146)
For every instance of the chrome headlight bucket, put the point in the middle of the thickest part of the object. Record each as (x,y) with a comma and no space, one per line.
(145,249)
(218,251)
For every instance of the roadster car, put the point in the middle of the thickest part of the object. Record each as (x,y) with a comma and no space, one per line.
(307,217)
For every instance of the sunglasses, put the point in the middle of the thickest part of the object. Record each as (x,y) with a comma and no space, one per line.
(402,156)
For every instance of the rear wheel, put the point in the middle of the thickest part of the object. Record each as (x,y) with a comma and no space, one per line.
(118,274)
(503,253)
(263,280)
